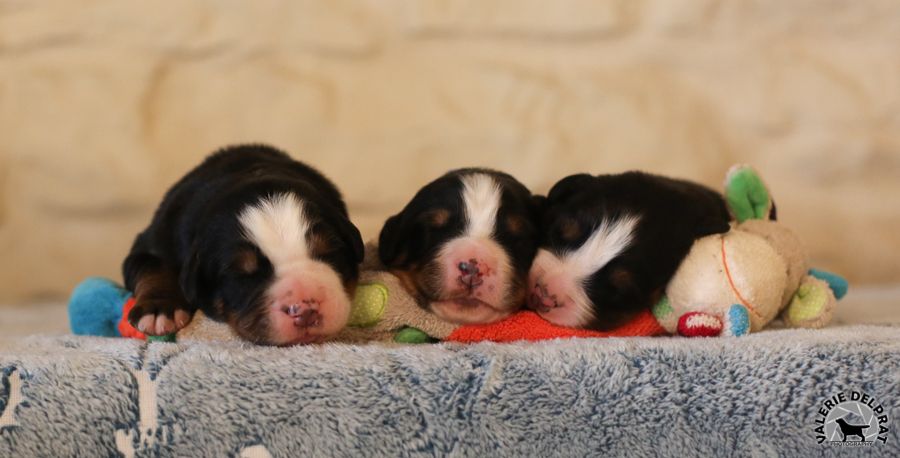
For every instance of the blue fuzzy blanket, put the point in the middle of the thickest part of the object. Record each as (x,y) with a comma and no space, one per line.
(759,395)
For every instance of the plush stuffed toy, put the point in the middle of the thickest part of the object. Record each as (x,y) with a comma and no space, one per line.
(382,311)
(734,283)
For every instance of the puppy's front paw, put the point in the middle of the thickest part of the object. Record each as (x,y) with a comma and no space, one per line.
(159,317)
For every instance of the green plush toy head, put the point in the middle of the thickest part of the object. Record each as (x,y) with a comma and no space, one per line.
(746,194)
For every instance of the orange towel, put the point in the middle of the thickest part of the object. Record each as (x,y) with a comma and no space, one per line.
(530,326)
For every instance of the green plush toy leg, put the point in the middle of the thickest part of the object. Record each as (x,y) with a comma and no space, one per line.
(665,315)
(368,305)
(812,305)
(411,335)
(166,338)
(746,194)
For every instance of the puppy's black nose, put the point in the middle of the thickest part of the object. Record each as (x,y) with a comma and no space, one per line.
(470,275)
(468,268)
(304,317)
(308,319)
(540,301)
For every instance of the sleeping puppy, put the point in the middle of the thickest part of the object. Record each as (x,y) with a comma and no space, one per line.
(611,243)
(463,245)
(253,238)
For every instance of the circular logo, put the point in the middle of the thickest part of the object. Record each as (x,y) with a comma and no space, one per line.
(851,419)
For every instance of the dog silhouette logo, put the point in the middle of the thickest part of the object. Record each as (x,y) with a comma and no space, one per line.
(851,430)
(852,419)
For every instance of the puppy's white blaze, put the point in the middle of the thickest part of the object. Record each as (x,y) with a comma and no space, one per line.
(481,199)
(277,225)
(609,240)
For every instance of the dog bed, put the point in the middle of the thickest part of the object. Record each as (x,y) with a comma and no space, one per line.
(757,395)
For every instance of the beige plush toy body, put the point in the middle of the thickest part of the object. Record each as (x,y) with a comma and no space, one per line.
(738,282)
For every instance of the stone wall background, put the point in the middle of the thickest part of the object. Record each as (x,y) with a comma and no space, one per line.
(103,104)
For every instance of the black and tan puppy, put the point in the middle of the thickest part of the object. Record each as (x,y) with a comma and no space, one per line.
(253,238)
(611,243)
(463,245)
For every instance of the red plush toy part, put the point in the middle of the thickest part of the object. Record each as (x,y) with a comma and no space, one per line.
(125,328)
(699,324)
(530,326)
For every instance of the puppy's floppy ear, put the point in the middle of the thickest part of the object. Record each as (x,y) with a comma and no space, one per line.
(350,234)
(346,230)
(392,241)
(538,204)
(568,186)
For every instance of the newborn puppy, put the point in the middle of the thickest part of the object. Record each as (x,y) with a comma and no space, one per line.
(253,238)
(463,245)
(611,243)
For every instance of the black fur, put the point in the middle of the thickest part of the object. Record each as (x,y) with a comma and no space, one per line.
(195,239)
(673,214)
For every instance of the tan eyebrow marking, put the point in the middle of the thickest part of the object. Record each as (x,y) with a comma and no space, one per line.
(515,224)
(437,218)
(570,230)
(319,244)
(621,278)
(246,261)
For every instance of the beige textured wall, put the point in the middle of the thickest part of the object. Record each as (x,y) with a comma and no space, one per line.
(105,103)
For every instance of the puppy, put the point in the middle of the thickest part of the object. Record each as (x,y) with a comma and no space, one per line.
(463,245)
(611,243)
(253,238)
